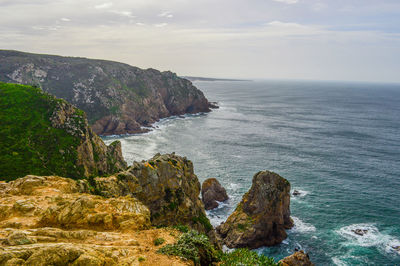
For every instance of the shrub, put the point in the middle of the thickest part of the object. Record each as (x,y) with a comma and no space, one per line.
(159,241)
(192,246)
(243,256)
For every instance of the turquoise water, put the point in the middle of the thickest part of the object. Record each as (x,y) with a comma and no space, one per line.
(337,143)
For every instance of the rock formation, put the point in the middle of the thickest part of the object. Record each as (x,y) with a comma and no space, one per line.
(44,135)
(262,216)
(47,221)
(297,259)
(167,185)
(212,192)
(117,98)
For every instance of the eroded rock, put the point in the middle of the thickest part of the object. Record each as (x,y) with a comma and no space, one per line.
(297,259)
(262,216)
(212,192)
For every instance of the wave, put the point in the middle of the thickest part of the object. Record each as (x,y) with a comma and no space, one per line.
(301,227)
(302,193)
(370,237)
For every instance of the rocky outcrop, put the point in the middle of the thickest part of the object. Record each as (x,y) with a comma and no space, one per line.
(117,98)
(297,259)
(45,220)
(167,185)
(44,135)
(212,192)
(262,216)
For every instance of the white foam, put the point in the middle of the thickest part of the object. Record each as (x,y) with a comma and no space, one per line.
(371,238)
(302,194)
(302,227)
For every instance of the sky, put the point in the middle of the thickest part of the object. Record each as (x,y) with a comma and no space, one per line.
(351,40)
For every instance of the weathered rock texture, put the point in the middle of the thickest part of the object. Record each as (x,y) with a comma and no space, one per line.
(117,98)
(297,259)
(47,221)
(262,216)
(44,135)
(212,192)
(167,185)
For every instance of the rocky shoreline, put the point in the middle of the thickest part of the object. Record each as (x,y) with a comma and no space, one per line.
(107,213)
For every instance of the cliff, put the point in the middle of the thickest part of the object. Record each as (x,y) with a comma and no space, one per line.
(47,221)
(118,98)
(167,185)
(43,135)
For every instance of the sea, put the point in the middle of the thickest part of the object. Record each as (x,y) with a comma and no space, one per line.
(338,143)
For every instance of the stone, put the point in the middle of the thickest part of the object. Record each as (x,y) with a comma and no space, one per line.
(360,232)
(299,258)
(212,192)
(296,193)
(262,216)
(19,238)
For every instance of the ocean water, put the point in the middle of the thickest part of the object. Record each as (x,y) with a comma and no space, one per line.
(337,143)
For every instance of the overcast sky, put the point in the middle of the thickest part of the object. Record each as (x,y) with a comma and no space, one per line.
(279,39)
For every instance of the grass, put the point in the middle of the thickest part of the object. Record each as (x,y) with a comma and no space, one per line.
(29,144)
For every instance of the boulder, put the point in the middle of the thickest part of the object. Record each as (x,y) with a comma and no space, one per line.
(297,259)
(262,216)
(212,192)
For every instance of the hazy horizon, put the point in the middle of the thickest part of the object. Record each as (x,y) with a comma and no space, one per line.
(351,40)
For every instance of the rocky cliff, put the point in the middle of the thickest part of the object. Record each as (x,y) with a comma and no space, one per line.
(117,98)
(43,135)
(167,185)
(262,216)
(47,221)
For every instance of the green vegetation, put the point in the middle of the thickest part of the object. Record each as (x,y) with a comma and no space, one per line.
(29,144)
(159,241)
(141,259)
(192,246)
(203,220)
(197,247)
(181,228)
(243,256)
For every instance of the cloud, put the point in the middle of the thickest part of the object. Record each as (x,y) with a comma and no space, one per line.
(287,1)
(65,19)
(161,25)
(124,13)
(166,14)
(140,24)
(104,5)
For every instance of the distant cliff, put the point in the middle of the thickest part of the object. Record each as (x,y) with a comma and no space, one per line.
(117,98)
(43,135)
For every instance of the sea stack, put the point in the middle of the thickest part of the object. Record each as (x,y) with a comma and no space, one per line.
(262,216)
(212,192)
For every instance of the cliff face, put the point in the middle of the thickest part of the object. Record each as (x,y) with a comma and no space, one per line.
(167,185)
(44,135)
(117,98)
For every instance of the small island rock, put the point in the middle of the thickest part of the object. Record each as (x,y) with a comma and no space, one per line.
(212,192)
(297,259)
(262,216)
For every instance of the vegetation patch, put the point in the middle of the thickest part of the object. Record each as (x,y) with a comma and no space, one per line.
(159,241)
(29,144)
(203,220)
(192,246)
(243,256)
